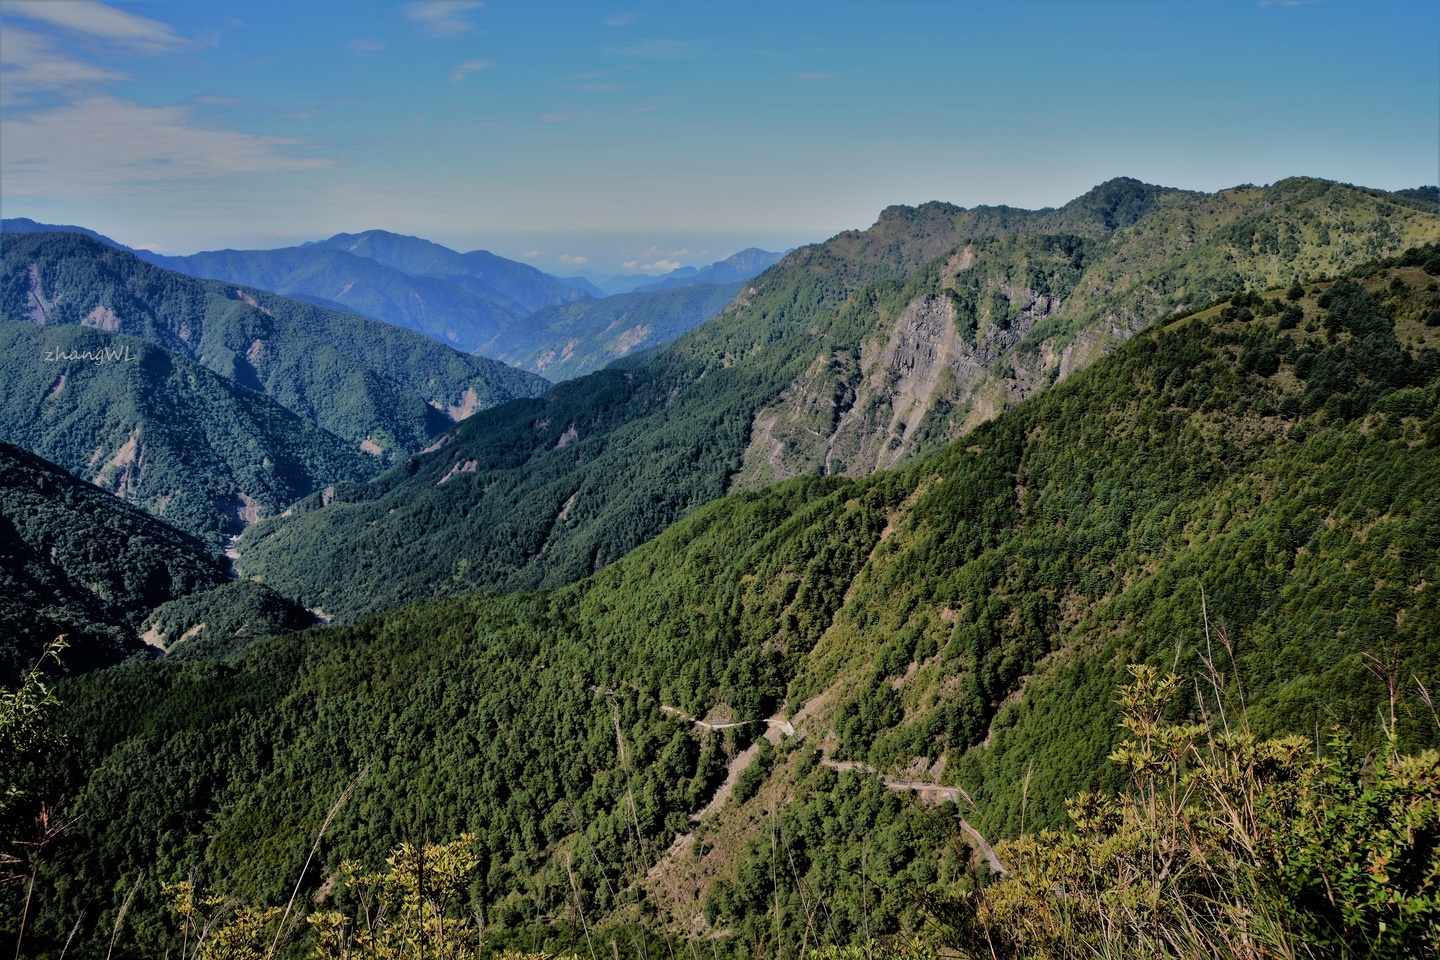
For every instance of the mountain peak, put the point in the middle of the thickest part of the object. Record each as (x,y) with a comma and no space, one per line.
(1119,202)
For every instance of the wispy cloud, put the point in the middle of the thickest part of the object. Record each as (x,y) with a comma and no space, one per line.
(463,70)
(652,50)
(136,33)
(619,20)
(630,264)
(29,62)
(530,254)
(573,261)
(98,144)
(364,48)
(597,87)
(443,18)
(76,138)
(662,266)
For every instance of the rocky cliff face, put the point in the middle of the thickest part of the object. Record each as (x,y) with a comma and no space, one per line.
(987,324)
(926,377)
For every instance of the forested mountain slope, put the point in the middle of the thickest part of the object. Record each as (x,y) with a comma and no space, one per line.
(999,319)
(160,431)
(384,389)
(1262,474)
(846,357)
(76,561)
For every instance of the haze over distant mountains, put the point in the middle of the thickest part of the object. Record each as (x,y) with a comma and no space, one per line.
(476,302)
(734,268)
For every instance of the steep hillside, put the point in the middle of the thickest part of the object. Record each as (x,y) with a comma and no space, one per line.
(113,580)
(76,561)
(386,390)
(160,431)
(1253,484)
(846,357)
(572,339)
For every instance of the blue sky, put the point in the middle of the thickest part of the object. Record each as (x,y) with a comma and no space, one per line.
(616,136)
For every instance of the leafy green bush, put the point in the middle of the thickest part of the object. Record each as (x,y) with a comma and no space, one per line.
(1225,845)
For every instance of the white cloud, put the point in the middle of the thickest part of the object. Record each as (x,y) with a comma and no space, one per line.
(140,34)
(463,70)
(443,18)
(530,254)
(364,48)
(573,261)
(96,145)
(630,264)
(620,20)
(662,266)
(30,62)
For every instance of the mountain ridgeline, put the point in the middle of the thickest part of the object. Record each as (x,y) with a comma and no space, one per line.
(476,302)
(464,299)
(1255,483)
(846,357)
(360,379)
(736,268)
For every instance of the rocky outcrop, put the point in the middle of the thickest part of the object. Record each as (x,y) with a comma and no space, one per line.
(936,374)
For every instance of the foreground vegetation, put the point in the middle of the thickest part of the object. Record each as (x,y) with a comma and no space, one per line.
(1223,845)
